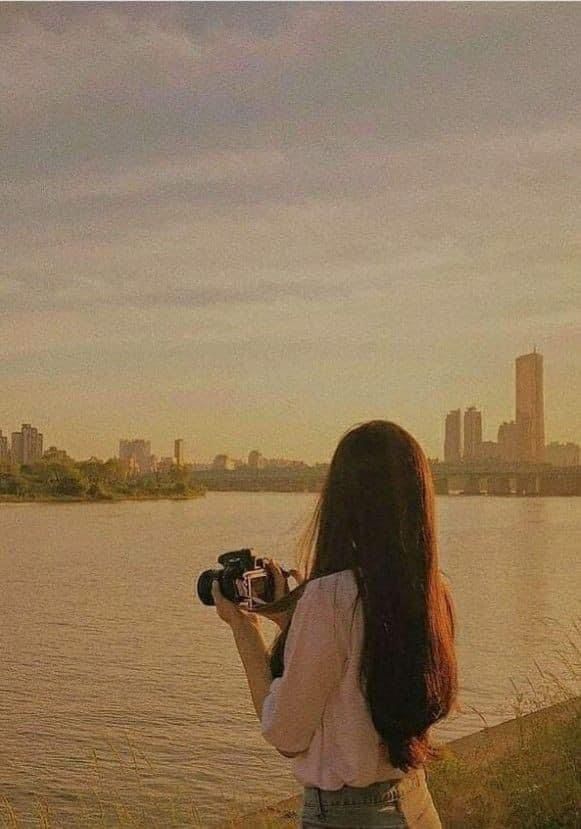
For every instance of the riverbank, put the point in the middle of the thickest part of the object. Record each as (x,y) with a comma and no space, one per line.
(520,773)
(114,499)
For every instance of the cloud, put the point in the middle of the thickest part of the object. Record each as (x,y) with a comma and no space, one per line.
(223,168)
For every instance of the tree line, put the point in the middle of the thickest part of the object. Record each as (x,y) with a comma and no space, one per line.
(93,479)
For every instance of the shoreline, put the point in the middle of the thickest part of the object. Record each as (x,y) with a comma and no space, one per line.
(466,759)
(51,499)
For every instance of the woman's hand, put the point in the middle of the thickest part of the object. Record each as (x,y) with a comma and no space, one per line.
(232,613)
(281,589)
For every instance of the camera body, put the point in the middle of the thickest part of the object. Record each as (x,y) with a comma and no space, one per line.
(243,579)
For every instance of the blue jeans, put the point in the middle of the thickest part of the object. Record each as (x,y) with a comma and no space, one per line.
(399,804)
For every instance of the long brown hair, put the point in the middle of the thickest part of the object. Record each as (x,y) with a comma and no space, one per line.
(375,516)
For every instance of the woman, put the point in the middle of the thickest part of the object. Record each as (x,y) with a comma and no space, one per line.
(365,661)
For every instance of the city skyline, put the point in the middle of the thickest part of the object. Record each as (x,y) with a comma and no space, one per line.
(273,221)
(521,438)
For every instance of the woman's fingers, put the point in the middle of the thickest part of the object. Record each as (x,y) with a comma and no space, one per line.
(227,610)
(217,595)
(230,612)
(296,576)
(281,587)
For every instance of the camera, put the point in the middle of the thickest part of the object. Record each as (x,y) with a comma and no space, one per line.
(243,579)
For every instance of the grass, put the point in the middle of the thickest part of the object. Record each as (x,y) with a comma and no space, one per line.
(523,774)
(535,783)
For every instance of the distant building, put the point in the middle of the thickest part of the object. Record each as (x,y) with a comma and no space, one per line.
(256,460)
(530,415)
(138,453)
(26,445)
(178,451)
(487,450)
(223,462)
(508,441)
(4,448)
(562,454)
(453,437)
(165,465)
(16,448)
(472,432)
(284,463)
(55,455)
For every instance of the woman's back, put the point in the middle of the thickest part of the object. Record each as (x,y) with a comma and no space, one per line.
(317,710)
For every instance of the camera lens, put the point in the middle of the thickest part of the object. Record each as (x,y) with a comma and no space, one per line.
(205,585)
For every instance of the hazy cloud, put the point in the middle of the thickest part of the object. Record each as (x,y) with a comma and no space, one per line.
(415,163)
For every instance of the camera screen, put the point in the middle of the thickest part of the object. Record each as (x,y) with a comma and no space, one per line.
(253,588)
(258,588)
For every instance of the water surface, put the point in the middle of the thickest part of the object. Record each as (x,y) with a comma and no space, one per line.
(116,684)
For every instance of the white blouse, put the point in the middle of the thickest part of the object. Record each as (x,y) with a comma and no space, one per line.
(316,710)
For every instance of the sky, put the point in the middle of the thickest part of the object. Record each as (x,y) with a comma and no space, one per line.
(253,225)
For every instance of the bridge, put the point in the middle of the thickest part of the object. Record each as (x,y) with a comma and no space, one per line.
(482,478)
(496,478)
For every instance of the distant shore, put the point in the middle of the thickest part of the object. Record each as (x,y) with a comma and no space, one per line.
(115,499)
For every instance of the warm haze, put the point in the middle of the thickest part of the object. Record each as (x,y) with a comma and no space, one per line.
(252,225)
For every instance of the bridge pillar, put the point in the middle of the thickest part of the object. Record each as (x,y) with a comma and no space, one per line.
(527,484)
(499,485)
(472,485)
(559,484)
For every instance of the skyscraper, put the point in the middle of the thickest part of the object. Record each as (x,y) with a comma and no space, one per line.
(31,443)
(26,445)
(530,412)
(178,451)
(453,437)
(472,432)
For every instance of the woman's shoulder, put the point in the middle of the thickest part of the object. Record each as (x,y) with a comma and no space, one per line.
(340,586)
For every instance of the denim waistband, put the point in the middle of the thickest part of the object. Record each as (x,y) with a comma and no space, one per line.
(384,791)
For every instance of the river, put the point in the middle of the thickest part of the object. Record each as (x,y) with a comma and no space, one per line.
(117,688)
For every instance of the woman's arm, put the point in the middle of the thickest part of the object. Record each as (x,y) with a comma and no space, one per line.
(252,649)
(250,643)
(253,653)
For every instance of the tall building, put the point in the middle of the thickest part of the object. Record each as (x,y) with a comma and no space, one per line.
(16,448)
(508,441)
(31,443)
(530,413)
(472,433)
(178,451)
(4,448)
(453,437)
(138,454)
(26,445)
